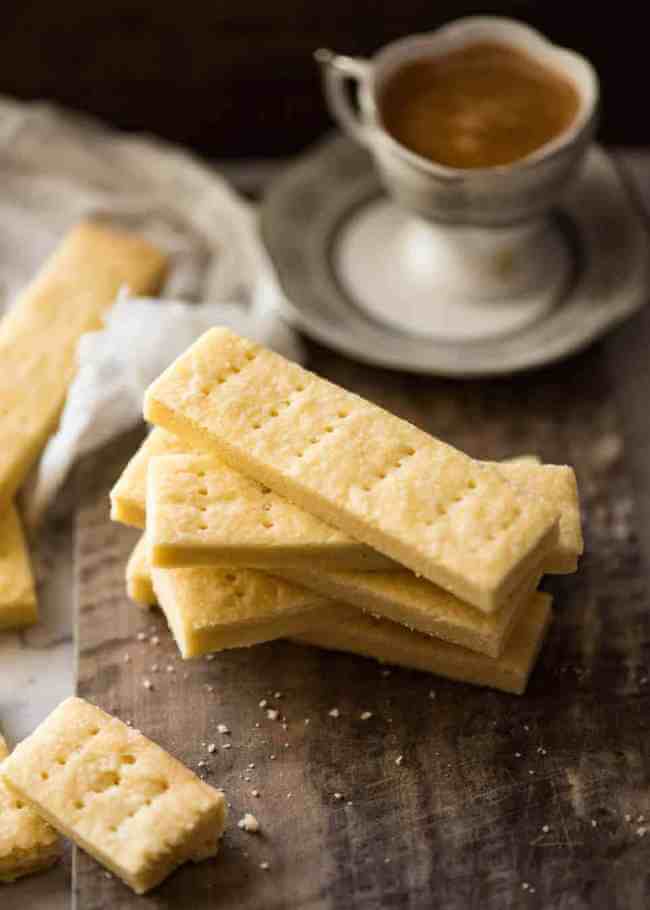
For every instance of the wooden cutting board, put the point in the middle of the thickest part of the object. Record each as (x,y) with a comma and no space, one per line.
(498,801)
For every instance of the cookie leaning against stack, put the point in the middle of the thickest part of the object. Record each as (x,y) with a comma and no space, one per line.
(261,467)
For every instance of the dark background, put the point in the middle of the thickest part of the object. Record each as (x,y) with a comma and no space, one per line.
(236,77)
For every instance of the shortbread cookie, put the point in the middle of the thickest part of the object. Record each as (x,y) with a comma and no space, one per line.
(420,605)
(139,583)
(27,843)
(18,605)
(453,520)
(343,628)
(558,486)
(116,794)
(39,334)
(204,514)
(212,609)
(128,505)
(129,495)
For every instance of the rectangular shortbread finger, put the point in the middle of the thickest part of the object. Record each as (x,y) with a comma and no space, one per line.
(213,609)
(116,794)
(400,597)
(18,605)
(421,606)
(128,505)
(200,512)
(419,501)
(39,334)
(346,629)
(129,495)
(27,843)
(139,583)
(296,539)
(556,484)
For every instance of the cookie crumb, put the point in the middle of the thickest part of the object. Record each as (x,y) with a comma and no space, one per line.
(249,823)
(334,712)
(366,715)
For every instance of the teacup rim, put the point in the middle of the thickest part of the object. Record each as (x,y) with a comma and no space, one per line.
(584,120)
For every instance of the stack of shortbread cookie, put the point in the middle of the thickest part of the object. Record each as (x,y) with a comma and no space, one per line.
(276,504)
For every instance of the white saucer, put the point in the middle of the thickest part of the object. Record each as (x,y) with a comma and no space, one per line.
(413,277)
(329,228)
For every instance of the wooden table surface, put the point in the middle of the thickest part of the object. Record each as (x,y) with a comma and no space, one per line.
(500,801)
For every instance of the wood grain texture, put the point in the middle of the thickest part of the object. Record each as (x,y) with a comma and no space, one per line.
(460,823)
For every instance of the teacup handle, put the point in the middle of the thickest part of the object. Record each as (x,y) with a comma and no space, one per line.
(337,69)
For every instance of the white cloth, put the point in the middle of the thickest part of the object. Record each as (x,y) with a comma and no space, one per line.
(57,169)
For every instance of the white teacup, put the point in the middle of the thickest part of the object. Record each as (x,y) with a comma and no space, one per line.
(481,218)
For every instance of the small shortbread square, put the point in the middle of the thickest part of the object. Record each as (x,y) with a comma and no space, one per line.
(116,794)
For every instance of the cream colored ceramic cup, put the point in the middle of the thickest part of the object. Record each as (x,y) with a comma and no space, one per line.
(493,196)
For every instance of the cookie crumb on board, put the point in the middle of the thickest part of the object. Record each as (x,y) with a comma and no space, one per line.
(249,823)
